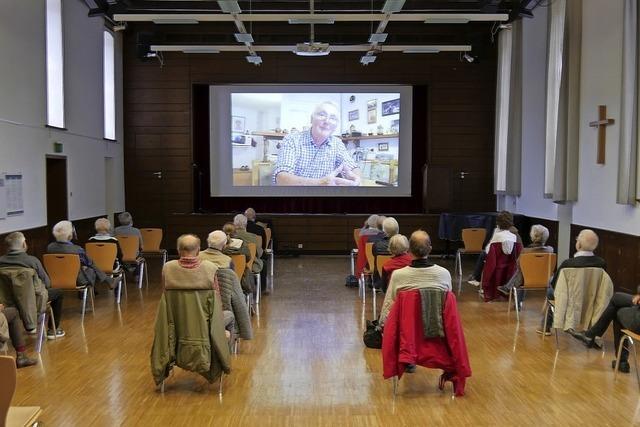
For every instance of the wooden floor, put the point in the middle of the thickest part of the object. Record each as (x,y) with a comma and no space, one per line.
(307,366)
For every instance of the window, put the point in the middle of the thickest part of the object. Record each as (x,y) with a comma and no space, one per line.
(55,64)
(108,76)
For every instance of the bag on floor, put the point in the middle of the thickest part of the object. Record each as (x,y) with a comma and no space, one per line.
(351,281)
(372,337)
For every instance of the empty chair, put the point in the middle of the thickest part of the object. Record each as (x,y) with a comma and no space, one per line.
(151,240)
(63,271)
(473,238)
(537,269)
(104,256)
(130,246)
(13,416)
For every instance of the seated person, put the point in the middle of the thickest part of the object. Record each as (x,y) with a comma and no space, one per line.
(420,274)
(253,227)
(234,246)
(586,243)
(399,248)
(89,274)
(11,329)
(504,233)
(240,223)
(216,241)
(201,274)
(624,312)
(18,257)
(539,235)
(103,228)
(126,227)
(390,228)
(370,226)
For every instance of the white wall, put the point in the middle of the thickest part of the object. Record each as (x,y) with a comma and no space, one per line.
(25,141)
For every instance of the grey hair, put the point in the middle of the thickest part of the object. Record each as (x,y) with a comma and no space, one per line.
(381,219)
(588,240)
(125,218)
(15,241)
(390,226)
(240,221)
(217,239)
(102,225)
(539,234)
(63,231)
(188,243)
(398,244)
(250,213)
(372,221)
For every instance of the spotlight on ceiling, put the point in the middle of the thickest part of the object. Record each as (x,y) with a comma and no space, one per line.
(367,59)
(468,57)
(378,37)
(229,6)
(254,59)
(120,26)
(392,6)
(243,37)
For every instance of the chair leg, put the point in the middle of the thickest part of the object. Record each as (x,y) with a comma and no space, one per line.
(258,288)
(271,272)
(140,276)
(53,322)
(146,275)
(375,305)
(635,359)
(162,387)
(353,265)
(42,317)
(546,315)
(93,298)
(360,284)
(220,389)
(515,299)
(458,270)
(395,385)
(622,341)
(84,301)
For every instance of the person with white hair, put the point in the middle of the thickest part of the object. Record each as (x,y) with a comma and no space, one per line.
(89,273)
(126,227)
(216,241)
(253,227)
(17,256)
(390,228)
(586,243)
(370,227)
(399,249)
(103,229)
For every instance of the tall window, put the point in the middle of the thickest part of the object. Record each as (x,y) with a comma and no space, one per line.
(502,106)
(108,77)
(55,64)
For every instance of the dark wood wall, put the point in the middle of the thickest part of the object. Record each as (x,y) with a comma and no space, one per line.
(453,131)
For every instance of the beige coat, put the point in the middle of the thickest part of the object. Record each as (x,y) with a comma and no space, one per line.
(21,287)
(581,295)
(4,332)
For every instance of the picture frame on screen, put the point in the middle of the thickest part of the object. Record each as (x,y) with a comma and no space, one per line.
(238,124)
(372,111)
(354,115)
(391,107)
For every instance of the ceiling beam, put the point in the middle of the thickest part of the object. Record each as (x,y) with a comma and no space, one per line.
(291,48)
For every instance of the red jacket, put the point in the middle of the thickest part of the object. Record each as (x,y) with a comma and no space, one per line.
(403,341)
(395,263)
(498,268)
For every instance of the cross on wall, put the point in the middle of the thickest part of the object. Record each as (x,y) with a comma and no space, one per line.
(601,124)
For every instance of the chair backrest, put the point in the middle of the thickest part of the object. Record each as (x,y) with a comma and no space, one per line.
(102,254)
(356,235)
(537,268)
(381,260)
(129,246)
(371,259)
(63,269)
(252,252)
(239,264)
(151,239)
(8,387)
(267,232)
(473,239)
(258,242)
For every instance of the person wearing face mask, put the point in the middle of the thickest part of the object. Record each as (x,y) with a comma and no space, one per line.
(315,157)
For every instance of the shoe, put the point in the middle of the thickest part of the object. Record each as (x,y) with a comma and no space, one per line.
(504,291)
(59,333)
(410,369)
(31,331)
(546,333)
(473,283)
(584,339)
(624,366)
(22,361)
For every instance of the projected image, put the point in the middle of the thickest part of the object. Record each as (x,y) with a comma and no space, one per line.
(315,139)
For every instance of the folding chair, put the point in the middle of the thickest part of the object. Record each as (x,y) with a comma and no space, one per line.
(354,251)
(151,240)
(253,251)
(473,239)
(537,269)
(104,256)
(63,271)
(130,246)
(12,416)
(239,266)
(381,260)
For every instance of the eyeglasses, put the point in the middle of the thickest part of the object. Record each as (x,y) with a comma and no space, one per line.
(322,115)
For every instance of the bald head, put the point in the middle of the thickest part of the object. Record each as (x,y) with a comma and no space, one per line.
(587,241)
(188,245)
(420,244)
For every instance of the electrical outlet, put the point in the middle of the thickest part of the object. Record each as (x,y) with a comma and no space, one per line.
(299,245)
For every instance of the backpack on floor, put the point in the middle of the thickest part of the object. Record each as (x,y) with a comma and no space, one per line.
(351,281)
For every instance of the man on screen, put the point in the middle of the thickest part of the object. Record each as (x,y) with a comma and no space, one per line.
(315,156)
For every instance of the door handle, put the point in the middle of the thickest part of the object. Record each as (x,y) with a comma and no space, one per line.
(158,174)
(463,174)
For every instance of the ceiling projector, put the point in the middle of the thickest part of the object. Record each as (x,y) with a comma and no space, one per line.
(312,49)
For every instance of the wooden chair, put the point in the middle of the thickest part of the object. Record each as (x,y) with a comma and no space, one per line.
(473,239)
(151,240)
(104,257)
(130,246)
(13,416)
(354,251)
(253,251)
(63,272)
(537,269)
(630,338)
(239,266)
(381,260)
(269,251)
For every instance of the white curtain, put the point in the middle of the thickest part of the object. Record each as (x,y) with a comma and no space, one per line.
(629,111)
(563,101)
(502,109)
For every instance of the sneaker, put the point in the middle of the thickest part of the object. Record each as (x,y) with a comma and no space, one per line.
(624,366)
(22,361)
(473,283)
(59,333)
(503,290)
(541,332)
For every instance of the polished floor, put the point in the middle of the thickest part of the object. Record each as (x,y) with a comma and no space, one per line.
(307,367)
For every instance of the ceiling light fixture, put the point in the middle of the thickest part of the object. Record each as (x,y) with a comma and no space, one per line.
(421,50)
(254,59)
(392,6)
(446,20)
(468,57)
(168,21)
(323,20)
(312,49)
(120,26)
(243,37)
(367,59)
(378,37)
(229,6)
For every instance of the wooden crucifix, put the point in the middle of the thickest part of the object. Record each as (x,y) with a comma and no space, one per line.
(601,124)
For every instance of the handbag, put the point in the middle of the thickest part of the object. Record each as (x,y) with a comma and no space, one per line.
(372,336)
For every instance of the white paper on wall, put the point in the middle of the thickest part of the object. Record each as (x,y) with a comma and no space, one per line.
(14,197)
